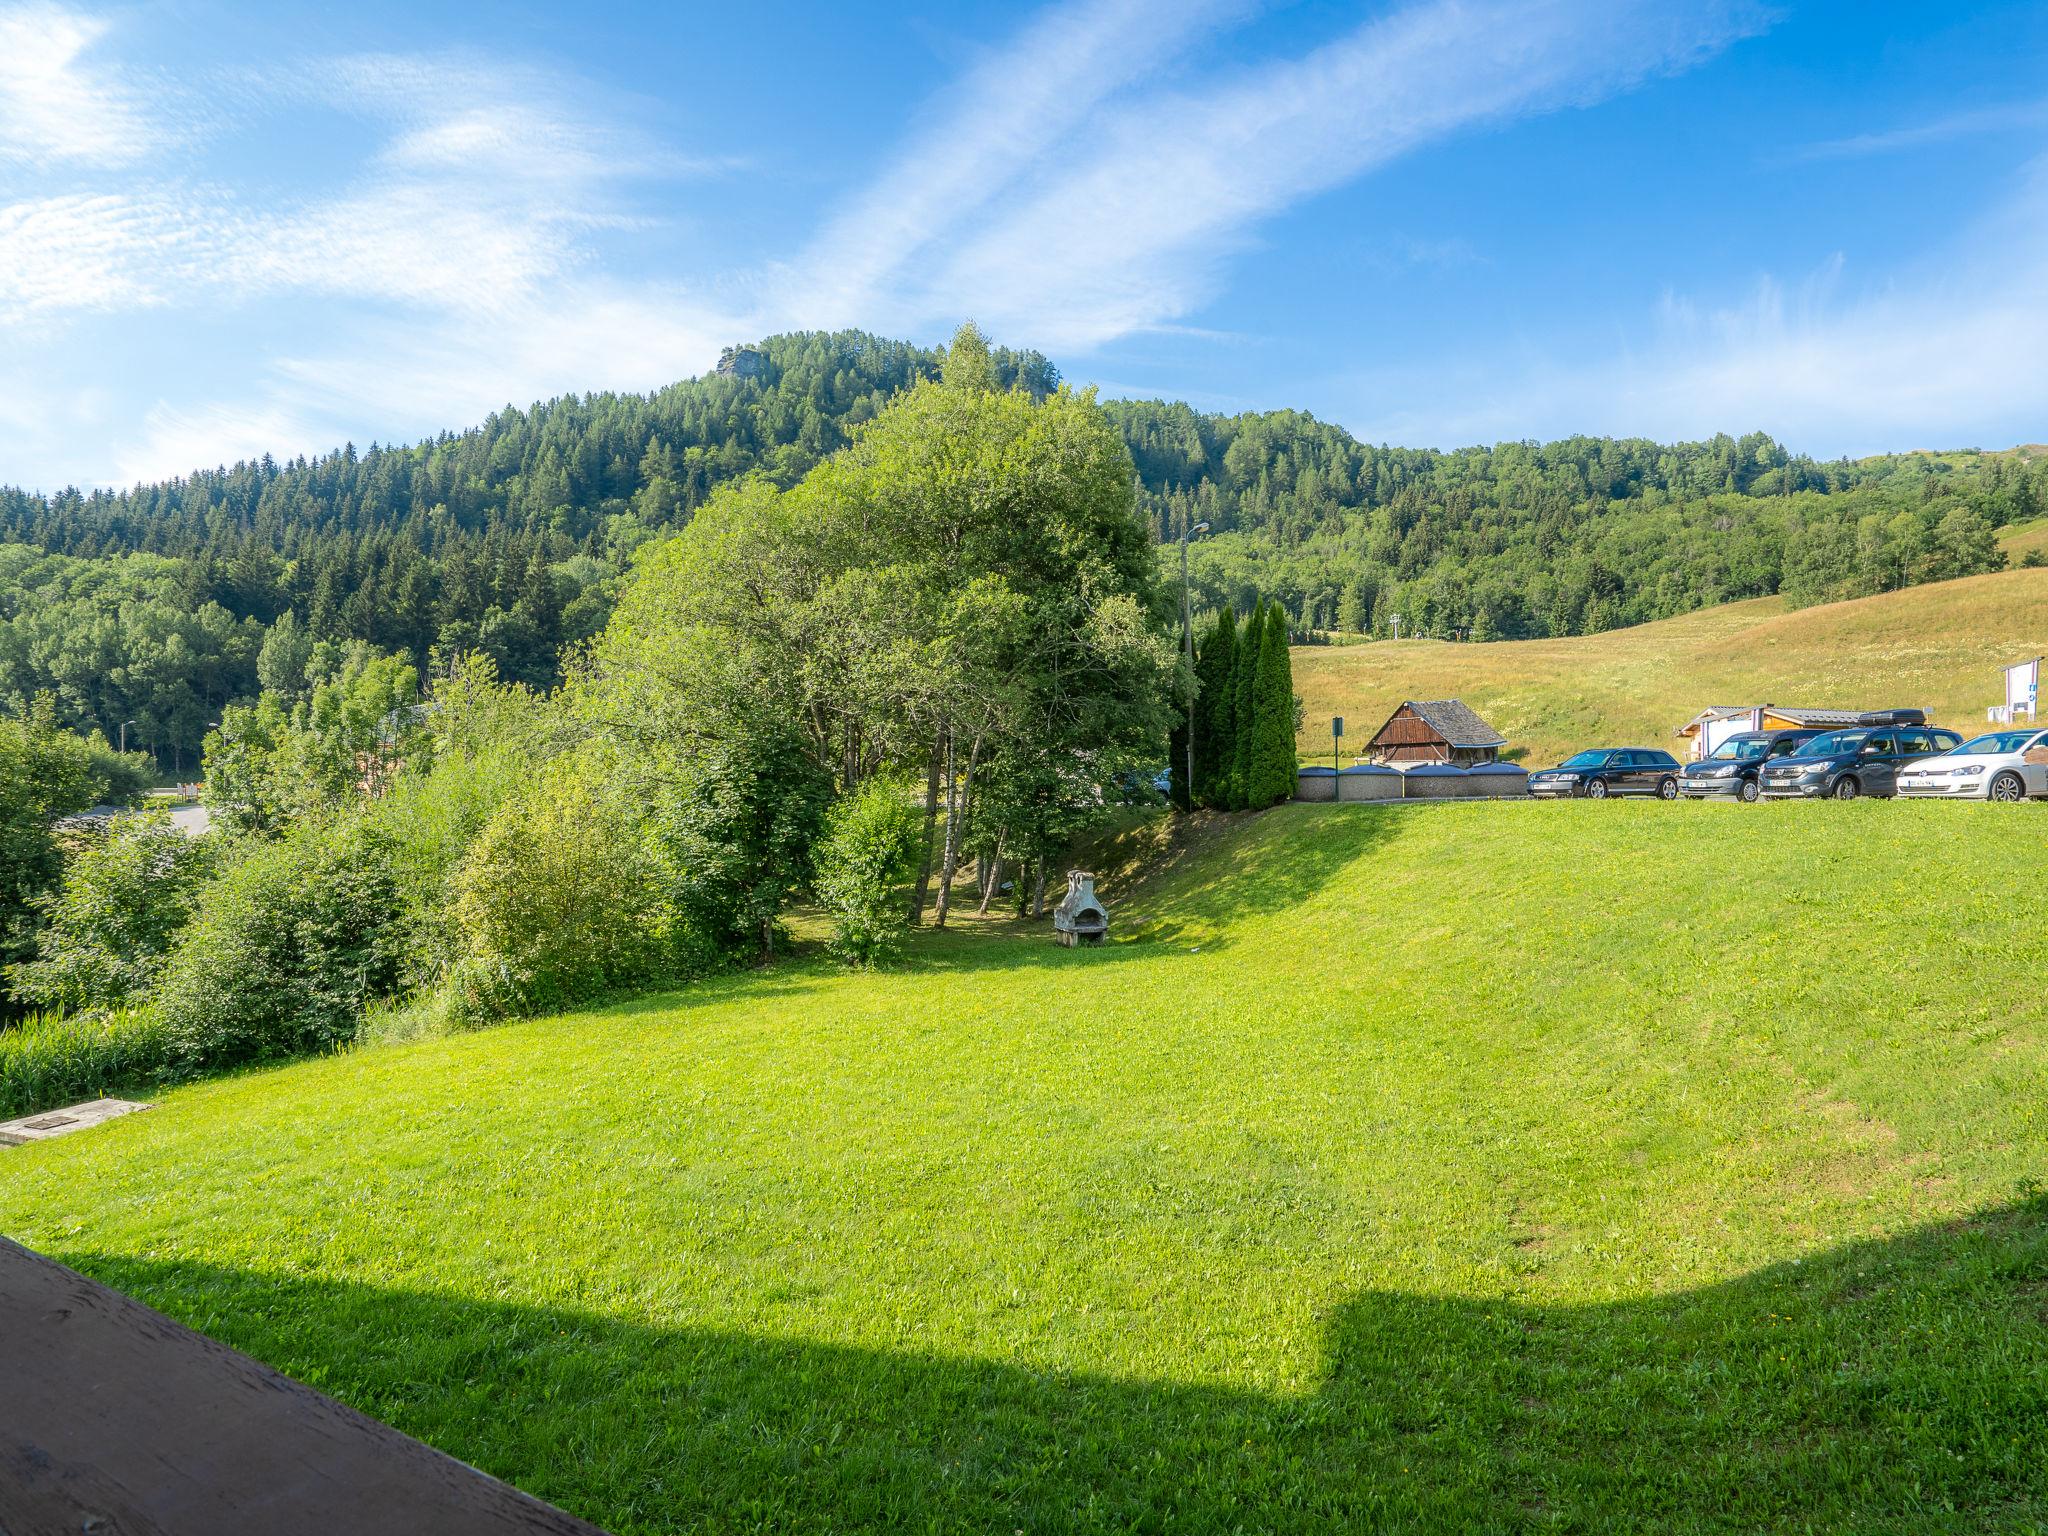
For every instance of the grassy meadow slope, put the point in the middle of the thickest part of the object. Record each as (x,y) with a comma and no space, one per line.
(2024,539)
(1423,1168)
(1938,646)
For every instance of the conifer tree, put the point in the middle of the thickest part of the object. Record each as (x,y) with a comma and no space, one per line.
(1179,789)
(1270,763)
(1215,740)
(1287,764)
(1244,673)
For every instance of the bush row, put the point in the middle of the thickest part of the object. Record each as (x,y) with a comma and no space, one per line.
(523,870)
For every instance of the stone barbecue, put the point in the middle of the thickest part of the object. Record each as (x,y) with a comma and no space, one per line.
(1080,918)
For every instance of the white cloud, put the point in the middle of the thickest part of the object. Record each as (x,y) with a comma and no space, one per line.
(1126,223)
(486,187)
(1938,358)
(57,106)
(80,252)
(2011,117)
(992,127)
(177,440)
(395,380)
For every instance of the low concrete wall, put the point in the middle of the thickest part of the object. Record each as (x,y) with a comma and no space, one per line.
(1437,781)
(1428,781)
(1499,781)
(1315,784)
(1360,784)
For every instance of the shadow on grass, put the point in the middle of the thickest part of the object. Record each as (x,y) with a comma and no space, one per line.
(1884,1386)
(1263,866)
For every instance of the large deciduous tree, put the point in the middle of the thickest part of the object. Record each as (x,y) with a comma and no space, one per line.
(964,590)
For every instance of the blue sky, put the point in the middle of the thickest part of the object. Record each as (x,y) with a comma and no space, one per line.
(230,228)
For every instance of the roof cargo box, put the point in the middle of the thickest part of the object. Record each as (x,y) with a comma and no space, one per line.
(1892,717)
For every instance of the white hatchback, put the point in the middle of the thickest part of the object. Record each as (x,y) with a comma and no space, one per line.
(1999,765)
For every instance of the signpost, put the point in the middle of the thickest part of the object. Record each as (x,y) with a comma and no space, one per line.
(1336,737)
(2023,688)
(2022,693)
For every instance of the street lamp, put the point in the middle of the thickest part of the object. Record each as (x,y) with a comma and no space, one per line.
(124,735)
(1187,632)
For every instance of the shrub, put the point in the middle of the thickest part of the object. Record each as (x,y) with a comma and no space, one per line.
(431,820)
(561,899)
(737,825)
(126,894)
(44,773)
(288,945)
(870,848)
(49,1060)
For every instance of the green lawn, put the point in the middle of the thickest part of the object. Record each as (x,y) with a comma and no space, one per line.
(1433,1168)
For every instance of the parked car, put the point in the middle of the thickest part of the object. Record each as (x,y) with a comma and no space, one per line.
(1994,766)
(1609,771)
(1844,764)
(1731,769)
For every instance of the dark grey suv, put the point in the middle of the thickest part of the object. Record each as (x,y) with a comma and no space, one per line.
(1734,769)
(1845,764)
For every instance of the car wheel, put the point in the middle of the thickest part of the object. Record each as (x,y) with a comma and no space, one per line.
(2008,787)
(1667,789)
(1847,788)
(1597,790)
(1749,792)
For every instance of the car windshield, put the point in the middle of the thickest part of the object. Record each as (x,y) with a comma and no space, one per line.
(1996,743)
(1585,760)
(1834,744)
(1740,750)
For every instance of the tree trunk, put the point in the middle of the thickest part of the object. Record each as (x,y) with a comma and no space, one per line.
(1038,889)
(995,878)
(931,816)
(956,807)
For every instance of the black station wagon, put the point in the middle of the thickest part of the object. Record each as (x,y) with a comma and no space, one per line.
(1609,771)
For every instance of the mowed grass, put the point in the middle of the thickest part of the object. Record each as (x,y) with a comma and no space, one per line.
(1939,647)
(1444,1168)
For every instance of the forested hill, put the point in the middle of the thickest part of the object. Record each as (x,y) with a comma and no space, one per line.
(154,605)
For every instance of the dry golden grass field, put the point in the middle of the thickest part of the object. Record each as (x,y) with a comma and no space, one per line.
(1938,647)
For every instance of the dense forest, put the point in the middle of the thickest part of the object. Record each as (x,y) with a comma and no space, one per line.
(156,607)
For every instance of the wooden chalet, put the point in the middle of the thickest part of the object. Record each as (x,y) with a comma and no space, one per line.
(1435,731)
(1712,726)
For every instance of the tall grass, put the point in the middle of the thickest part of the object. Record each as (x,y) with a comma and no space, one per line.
(51,1059)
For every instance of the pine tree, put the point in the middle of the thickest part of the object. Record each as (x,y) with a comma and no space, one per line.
(1179,793)
(1215,740)
(1244,673)
(1271,766)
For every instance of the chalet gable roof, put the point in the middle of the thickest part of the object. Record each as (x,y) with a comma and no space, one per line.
(1454,722)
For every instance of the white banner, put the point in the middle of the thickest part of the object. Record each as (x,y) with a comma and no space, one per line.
(2023,686)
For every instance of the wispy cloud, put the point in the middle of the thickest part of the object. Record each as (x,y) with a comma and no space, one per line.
(58,105)
(2011,117)
(992,128)
(484,187)
(1129,219)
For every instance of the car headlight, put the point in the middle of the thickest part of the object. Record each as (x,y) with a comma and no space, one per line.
(1973,768)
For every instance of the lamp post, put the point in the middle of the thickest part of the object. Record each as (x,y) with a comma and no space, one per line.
(1187,632)
(124,736)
